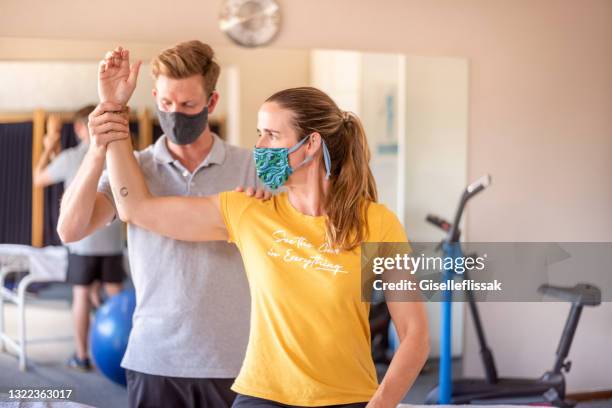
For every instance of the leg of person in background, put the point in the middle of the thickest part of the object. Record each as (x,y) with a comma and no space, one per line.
(94,294)
(104,271)
(80,313)
(83,271)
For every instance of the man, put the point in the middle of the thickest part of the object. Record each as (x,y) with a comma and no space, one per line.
(98,257)
(191,322)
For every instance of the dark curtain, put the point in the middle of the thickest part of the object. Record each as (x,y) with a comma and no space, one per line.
(157,132)
(16,183)
(53,193)
(134,133)
(215,128)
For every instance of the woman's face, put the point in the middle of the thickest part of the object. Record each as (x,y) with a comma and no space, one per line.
(274,127)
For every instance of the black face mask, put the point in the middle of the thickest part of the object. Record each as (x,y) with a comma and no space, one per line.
(183,129)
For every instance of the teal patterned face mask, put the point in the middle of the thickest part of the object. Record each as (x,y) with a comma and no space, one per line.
(272,163)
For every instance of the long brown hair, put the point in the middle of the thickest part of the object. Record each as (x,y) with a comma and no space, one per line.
(352,186)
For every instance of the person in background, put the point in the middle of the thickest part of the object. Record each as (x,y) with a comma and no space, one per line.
(94,259)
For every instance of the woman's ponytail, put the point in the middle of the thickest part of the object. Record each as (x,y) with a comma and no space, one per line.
(352,189)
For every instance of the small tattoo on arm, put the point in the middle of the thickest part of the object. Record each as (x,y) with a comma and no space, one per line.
(123,191)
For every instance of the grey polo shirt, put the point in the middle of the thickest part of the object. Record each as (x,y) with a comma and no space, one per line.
(105,241)
(192,299)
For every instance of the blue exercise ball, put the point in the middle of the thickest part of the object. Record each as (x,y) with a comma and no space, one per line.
(109,334)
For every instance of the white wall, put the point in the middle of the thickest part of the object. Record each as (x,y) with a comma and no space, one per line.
(55,86)
(358,82)
(435,152)
(261,73)
(338,73)
(437,139)
(381,110)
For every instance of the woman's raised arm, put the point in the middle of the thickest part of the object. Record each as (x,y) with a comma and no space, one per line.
(183,218)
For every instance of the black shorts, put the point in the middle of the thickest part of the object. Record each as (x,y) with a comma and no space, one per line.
(245,401)
(85,269)
(149,391)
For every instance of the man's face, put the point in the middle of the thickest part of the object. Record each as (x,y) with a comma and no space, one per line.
(81,130)
(186,95)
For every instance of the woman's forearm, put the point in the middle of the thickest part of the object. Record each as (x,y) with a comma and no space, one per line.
(406,365)
(183,218)
(127,182)
(410,321)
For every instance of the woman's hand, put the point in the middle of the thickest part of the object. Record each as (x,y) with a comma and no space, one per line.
(116,78)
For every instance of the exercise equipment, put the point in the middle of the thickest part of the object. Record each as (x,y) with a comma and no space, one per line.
(110,332)
(36,265)
(547,389)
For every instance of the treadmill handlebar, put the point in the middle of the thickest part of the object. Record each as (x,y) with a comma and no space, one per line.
(477,186)
(438,222)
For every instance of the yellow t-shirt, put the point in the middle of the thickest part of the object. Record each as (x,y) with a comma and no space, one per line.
(310,337)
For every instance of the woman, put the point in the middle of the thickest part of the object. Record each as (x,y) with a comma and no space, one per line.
(310,342)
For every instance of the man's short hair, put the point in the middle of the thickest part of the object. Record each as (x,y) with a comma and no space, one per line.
(82,115)
(187,59)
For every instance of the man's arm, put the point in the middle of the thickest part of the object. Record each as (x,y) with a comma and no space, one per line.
(84,209)
(40,176)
